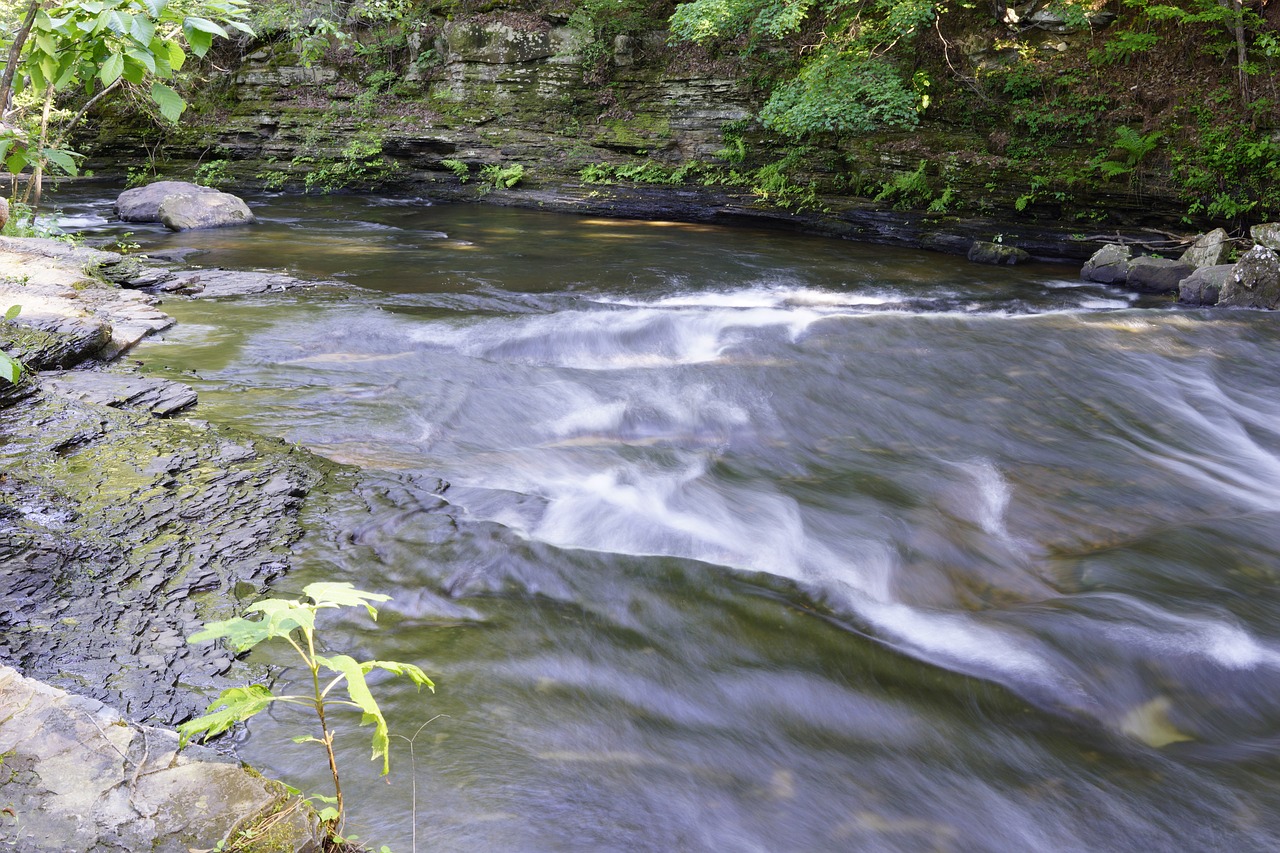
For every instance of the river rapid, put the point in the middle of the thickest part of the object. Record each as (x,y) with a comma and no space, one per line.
(759,542)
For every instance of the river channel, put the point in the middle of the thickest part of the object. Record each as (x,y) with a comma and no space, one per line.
(759,542)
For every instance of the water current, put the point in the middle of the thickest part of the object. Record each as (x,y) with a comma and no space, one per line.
(759,542)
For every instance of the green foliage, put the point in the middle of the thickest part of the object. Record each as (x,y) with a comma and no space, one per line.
(1229,170)
(498,177)
(772,185)
(214,174)
(361,164)
(294,622)
(10,368)
(908,189)
(99,46)
(850,83)
(460,170)
(1134,148)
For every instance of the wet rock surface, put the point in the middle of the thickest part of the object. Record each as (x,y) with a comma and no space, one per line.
(78,777)
(121,533)
(160,397)
(216,282)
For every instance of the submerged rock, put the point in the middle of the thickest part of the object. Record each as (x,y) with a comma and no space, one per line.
(1204,286)
(983,252)
(142,204)
(1157,275)
(192,211)
(1255,283)
(1109,265)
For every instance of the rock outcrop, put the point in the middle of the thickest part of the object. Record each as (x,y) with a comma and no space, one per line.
(192,211)
(1208,250)
(1156,275)
(1255,281)
(142,204)
(1204,286)
(1109,265)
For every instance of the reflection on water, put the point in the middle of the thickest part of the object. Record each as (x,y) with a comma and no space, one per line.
(755,542)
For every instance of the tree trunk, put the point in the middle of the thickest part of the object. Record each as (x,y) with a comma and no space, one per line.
(15,51)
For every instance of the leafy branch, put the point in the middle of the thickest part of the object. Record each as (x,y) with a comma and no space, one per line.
(295,623)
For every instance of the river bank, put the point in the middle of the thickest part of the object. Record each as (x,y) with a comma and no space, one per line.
(121,532)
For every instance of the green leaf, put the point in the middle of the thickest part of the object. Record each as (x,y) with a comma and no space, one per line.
(14,311)
(143,29)
(203,25)
(10,369)
(416,675)
(200,42)
(176,55)
(358,690)
(241,634)
(111,69)
(170,102)
(18,161)
(63,159)
(284,616)
(232,706)
(343,595)
(143,57)
(134,71)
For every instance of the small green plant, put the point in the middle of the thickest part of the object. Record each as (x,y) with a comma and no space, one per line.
(295,623)
(214,174)
(10,368)
(361,163)
(272,179)
(126,244)
(460,170)
(495,177)
(907,189)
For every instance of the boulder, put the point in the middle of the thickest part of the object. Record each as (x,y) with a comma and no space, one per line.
(4,212)
(1208,250)
(1255,282)
(190,211)
(1109,265)
(1204,286)
(982,252)
(1267,234)
(142,204)
(1157,275)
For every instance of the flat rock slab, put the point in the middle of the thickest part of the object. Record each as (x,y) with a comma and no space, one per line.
(160,397)
(211,283)
(78,777)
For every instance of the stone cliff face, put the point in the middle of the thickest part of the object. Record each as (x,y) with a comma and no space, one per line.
(668,131)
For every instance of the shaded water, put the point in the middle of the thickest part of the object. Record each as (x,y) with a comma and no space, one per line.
(758,542)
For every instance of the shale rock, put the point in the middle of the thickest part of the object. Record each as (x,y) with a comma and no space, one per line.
(1208,250)
(1156,275)
(1204,286)
(142,204)
(983,252)
(121,534)
(192,211)
(1255,283)
(1109,265)
(160,397)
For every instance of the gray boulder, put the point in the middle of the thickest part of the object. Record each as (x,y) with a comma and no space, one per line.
(142,204)
(1267,234)
(982,252)
(1204,286)
(1255,283)
(1157,275)
(1109,265)
(190,211)
(1208,250)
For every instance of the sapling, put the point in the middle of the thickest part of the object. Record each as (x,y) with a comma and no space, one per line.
(295,622)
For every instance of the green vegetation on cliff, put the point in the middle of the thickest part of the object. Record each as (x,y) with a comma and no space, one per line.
(1071,110)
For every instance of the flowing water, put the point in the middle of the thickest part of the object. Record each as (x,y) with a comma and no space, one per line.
(756,542)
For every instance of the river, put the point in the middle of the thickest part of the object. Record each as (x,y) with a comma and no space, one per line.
(759,542)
